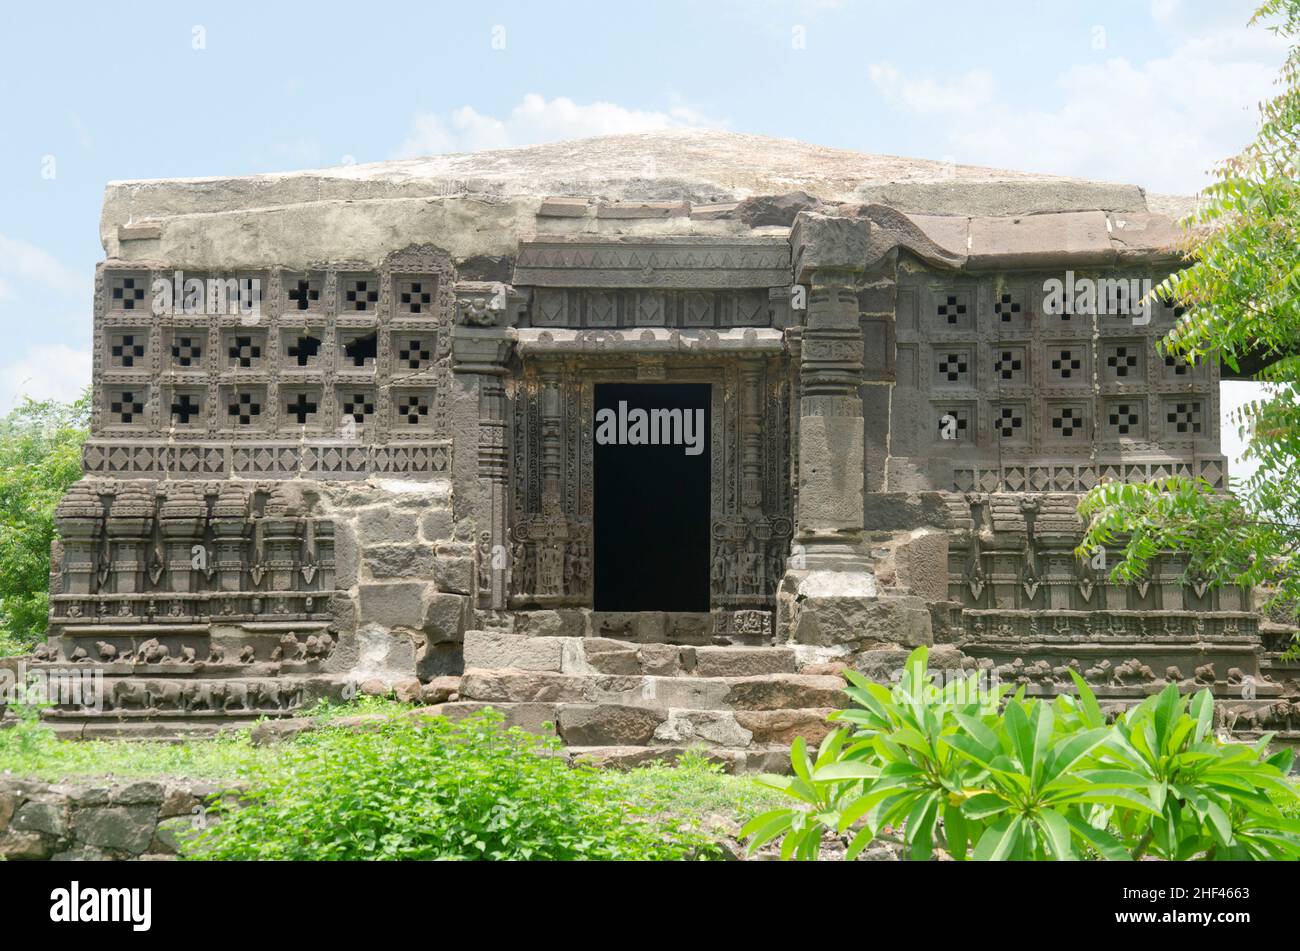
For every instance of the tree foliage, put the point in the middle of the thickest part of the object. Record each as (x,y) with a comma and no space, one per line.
(40,456)
(1241,291)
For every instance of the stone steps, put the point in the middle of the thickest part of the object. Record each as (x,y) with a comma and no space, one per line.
(625,703)
(758,760)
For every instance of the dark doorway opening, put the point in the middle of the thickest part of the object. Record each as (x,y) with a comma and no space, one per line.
(651,519)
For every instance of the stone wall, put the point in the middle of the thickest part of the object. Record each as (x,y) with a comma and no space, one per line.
(257,599)
(91,821)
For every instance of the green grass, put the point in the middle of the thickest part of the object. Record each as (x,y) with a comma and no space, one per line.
(696,789)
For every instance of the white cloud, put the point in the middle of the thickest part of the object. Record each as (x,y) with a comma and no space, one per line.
(1162,123)
(1164,11)
(535,119)
(26,262)
(44,372)
(972,90)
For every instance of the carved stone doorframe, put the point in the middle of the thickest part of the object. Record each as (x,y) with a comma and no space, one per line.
(550,403)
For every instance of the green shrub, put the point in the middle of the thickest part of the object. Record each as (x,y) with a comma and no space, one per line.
(955,767)
(432,789)
(40,456)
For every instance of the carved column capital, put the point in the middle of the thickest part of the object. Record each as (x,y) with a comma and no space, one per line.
(489,304)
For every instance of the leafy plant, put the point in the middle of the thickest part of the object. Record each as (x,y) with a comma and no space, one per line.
(984,776)
(428,788)
(1241,289)
(40,456)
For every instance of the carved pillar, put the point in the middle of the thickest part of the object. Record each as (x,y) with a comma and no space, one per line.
(80,520)
(552,450)
(181,519)
(229,525)
(129,529)
(281,542)
(482,345)
(751,436)
(828,594)
(828,517)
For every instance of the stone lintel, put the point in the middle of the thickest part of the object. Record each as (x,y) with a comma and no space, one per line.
(673,262)
(645,340)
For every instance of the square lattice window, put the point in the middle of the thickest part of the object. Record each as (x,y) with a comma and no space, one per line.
(302,347)
(128,350)
(126,406)
(358,349)
(416,296)
(1068,422)
(1126,419)
(187,407)
(1010,365)
(245,351)
(954,423)
(1184,417)
(413,410)
(413,351)
(1008,308)
(126,292)
(1010,423)
(301,294)
(953,366)
(953,310)
(300,407)
(360,295)
(1176,368)
(1124,362)
(357,405)
(187,349)
(1067,363)
(243,407)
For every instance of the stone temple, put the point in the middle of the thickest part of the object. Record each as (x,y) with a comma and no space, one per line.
(363,451)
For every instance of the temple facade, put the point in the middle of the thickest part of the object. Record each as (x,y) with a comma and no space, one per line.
(345,437)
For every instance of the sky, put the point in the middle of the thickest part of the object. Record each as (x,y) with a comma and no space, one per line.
(1151,92)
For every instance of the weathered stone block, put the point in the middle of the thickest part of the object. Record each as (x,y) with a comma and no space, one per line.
(8,803)
(346,555)
(407,690)
(399,561)
(521,686)
(715,727)
(608,724)
(170,834)
(121,828)
(18,846)
(489,650)
(454,573)
(534,717)
(440,690)
(139,794)
(445,618)
(436,525)
(922,566)
(48,817)
(381,525)
(786,691)
(395,604)
(783,726)
(743,661)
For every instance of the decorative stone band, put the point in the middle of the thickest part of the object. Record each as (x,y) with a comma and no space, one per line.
(318,459)
(661,262)
(1072,477)
(660,341)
